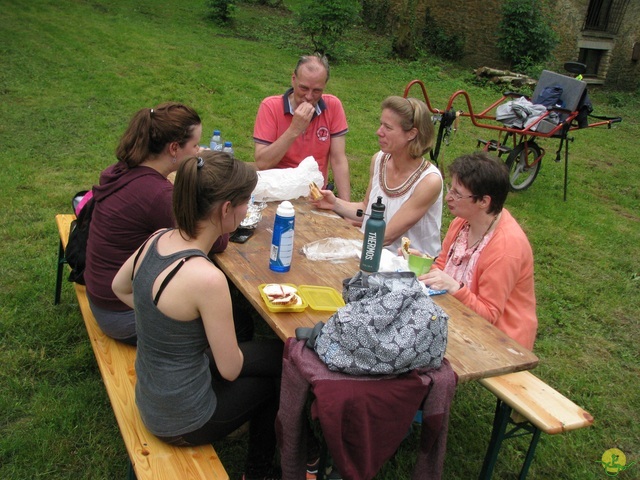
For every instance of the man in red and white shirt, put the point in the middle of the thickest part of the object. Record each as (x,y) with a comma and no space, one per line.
(304,122)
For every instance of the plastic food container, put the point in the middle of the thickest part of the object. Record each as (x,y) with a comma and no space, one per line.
(325,299)
(282,308)
(317,297)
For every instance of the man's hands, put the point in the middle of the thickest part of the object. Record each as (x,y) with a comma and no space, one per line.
(302,118)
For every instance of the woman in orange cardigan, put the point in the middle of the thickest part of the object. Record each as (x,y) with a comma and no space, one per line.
(486,260)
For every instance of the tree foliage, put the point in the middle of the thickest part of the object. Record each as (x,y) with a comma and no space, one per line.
(221,11)
(326,21)
(525,36)
(448,46)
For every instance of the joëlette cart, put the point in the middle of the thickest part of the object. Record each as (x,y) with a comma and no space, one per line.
(520,143)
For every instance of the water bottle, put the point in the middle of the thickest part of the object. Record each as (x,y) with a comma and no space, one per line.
(282,240)
(228,148)
(373,238)
(216,141)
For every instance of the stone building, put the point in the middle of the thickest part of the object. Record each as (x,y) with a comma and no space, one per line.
(603,34)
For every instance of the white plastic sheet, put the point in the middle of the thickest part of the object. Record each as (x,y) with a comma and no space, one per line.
(332,249)
(287,183)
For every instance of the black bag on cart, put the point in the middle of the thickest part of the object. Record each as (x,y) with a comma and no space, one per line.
(584,110)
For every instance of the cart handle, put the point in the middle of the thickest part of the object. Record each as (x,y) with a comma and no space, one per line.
(424,93)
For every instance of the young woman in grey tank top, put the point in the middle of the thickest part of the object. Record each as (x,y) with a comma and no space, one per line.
(195,383)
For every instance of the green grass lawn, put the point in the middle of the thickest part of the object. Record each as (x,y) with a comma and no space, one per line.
(72,73)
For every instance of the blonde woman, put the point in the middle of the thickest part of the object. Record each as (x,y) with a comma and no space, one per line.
(410,185)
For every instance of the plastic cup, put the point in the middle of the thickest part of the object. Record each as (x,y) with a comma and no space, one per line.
(419,264)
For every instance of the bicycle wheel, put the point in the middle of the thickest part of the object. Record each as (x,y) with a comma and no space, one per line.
(524,164)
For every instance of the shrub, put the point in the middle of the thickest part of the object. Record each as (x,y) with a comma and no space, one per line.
(221,11)
(413,30)
(375,14)
(406,27)
(326,21)
(525,37)
(267,3)
(438,42)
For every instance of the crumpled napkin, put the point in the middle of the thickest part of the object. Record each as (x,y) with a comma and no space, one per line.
(332,249)
(280,184)
(397,263)
(390,262)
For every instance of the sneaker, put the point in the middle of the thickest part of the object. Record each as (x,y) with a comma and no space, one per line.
(312,469)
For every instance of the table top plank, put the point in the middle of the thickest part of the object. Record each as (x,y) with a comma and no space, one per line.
(475,348)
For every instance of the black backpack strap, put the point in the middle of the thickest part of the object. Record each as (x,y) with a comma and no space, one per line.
(168,278)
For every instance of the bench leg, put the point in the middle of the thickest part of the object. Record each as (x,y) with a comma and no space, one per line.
(500,422)
(499,433)
(530,452)
(132,473)
(61,262)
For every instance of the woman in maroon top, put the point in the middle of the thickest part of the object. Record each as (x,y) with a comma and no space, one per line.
(132,201)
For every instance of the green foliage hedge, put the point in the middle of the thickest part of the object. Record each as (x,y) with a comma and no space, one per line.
(326,21)
(525,36)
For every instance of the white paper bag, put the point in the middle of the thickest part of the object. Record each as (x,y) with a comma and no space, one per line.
(287,183)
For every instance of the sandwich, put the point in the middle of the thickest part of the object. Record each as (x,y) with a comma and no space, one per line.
(281,295)
(314,192)
(404,246)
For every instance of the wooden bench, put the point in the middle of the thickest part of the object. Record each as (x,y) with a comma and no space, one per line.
(542,409)
(150,458)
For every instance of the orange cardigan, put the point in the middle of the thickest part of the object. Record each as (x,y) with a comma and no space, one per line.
(503,289)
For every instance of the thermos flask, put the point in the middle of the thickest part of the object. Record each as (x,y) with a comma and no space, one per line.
(373,238)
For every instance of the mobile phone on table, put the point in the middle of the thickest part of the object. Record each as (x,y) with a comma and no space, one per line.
(241,235)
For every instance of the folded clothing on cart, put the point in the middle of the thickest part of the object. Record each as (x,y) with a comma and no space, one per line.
(520,113)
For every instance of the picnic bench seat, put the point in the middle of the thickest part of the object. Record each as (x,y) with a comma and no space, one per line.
(150,458)
(540,409)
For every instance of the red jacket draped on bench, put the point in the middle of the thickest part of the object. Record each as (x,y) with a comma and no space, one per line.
(363,418)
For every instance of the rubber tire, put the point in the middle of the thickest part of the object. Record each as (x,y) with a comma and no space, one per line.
(516,162)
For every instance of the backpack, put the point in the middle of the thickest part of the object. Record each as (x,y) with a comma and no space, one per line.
(75,253)
(388,326)
(584,110)
(550,97)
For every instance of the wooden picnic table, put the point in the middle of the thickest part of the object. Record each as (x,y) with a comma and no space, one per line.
(475,348)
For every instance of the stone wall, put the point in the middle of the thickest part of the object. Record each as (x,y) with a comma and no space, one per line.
(569,18)
(623,72)
(477,22)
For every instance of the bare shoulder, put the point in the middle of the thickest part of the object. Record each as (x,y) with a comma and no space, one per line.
(204,275)
(430,184)
(372,164)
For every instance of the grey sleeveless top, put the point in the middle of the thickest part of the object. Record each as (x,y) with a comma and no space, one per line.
(173,391)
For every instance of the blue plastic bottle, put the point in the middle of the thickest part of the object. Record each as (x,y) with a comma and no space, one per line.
(216,141)
(228,148)
(282,240)
(373,238)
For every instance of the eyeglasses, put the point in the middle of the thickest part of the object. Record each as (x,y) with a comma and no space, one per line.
(456,194)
